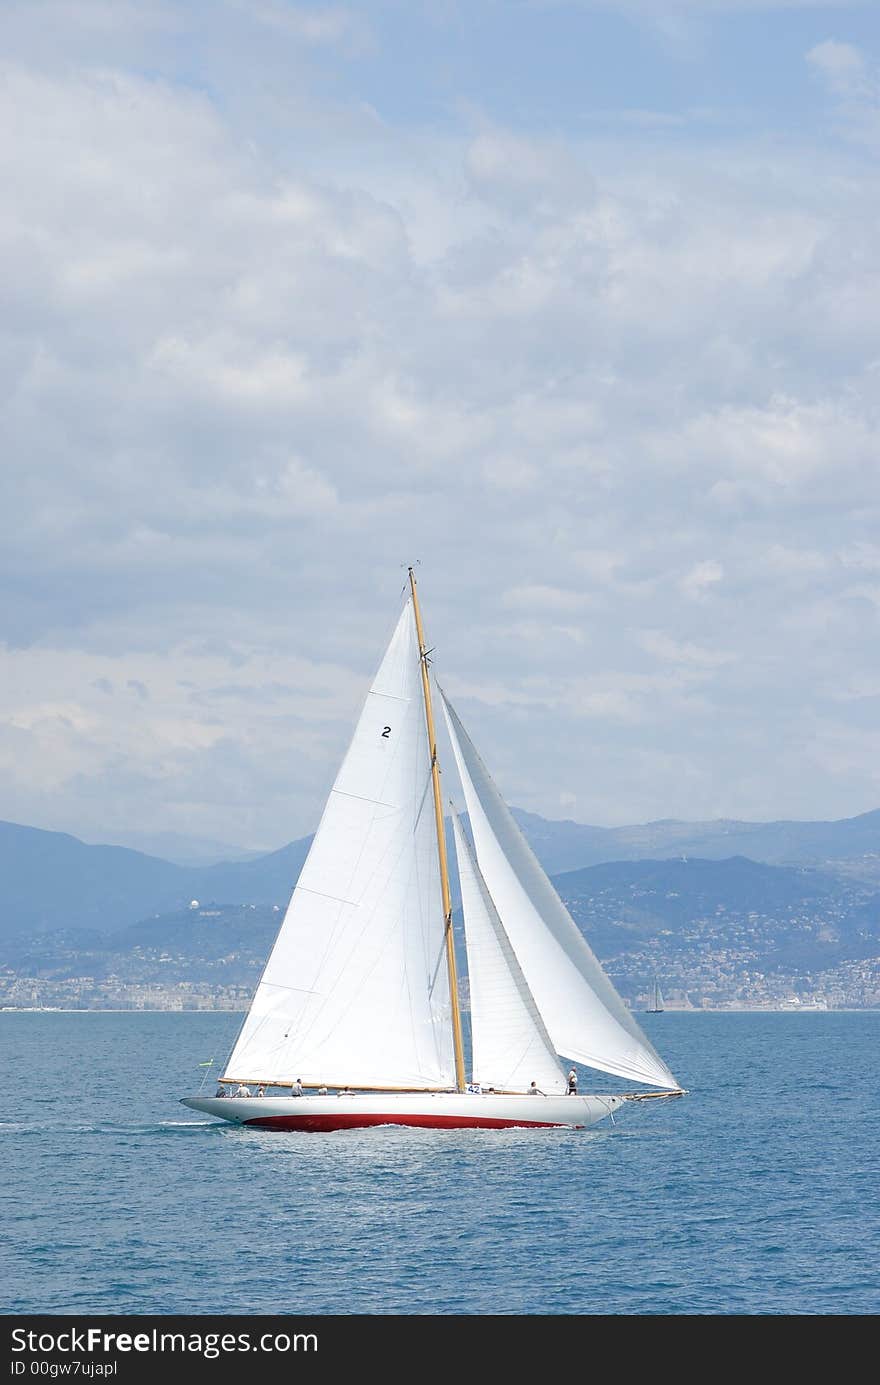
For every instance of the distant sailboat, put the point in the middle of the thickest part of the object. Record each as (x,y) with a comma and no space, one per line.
(358,1005)
(656,1007)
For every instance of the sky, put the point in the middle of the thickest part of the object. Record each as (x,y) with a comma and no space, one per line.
(571,303)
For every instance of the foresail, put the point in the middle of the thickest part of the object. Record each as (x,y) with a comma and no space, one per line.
(584,1015)
(356,990)
(509,1041)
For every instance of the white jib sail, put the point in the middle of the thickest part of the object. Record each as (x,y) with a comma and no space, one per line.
(356,989)
(510,1044)
(584,1015)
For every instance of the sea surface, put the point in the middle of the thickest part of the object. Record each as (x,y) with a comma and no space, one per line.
(758,1193)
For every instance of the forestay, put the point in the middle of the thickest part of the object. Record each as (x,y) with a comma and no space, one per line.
(356,991)
(584,1015)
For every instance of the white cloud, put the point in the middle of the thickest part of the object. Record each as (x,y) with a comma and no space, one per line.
(861,554)
(259,353)
(854,83)
(701,578)
(190,735)
(545,598)
(705,7)
(328,24)
(822,449)
(674,651)
(864,591)
(517,174)
(794,564)
(599,565)
(841,63)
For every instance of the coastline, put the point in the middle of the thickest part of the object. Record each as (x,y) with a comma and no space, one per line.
(223,1010)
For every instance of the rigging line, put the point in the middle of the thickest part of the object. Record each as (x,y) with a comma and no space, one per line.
(296,990)
(264,1020)
(335,899)
(362,798)
(390,697)
(405,587)
(524,1053)
(427,904)
(457,1033)
(429,784)
(441,957)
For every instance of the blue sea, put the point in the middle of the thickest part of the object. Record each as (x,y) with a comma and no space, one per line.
(756,1194)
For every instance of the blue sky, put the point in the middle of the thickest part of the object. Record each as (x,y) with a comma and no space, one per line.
(575,303)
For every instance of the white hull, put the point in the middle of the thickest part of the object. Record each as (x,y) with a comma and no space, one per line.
(433,1110)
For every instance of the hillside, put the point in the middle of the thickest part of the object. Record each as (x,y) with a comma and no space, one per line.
(776,913)
(52,880)
(730,930)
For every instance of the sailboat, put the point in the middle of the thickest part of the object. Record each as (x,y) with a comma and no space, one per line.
(656,1007)
(356,1020)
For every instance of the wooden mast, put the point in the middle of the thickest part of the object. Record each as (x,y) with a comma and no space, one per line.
(457,1042)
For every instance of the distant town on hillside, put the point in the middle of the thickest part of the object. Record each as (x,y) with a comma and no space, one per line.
(727,915)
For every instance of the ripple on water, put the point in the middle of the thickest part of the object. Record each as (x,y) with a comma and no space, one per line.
(735,1200)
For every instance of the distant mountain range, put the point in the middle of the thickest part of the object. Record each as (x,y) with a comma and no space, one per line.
(50,880)
(562,846)
(702,924)
(179,849)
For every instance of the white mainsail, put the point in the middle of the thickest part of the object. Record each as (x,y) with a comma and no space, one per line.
(509,1041)
(584,1015)
(356,990)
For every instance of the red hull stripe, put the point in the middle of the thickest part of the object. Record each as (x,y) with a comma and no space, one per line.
(352,1121)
